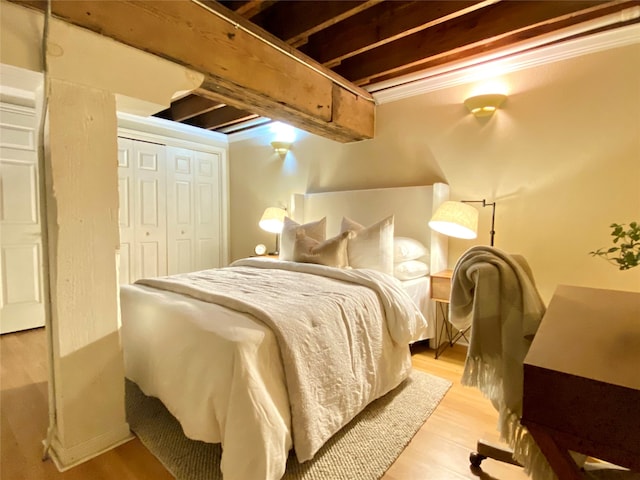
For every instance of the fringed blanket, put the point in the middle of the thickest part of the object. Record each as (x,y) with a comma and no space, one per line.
(495,294)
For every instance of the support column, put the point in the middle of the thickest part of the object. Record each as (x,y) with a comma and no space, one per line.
(82,222)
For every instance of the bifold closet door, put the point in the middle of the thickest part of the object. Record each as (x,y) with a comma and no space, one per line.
(193,210)
(143,227)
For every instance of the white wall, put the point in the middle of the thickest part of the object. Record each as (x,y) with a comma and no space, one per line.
(561,158)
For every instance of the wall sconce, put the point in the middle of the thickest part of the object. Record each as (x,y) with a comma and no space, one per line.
(281,148)
(484,105)
(283,137)
(272,221)
(459,220)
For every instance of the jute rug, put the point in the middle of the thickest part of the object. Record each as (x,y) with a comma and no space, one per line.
(363,450)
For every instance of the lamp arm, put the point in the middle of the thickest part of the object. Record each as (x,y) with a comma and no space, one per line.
(484,203)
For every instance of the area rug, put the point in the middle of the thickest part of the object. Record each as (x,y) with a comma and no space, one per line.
(363,450)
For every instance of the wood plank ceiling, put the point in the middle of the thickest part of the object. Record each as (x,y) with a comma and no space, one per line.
(371,41)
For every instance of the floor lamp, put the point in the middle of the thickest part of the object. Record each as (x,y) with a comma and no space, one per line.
(460,220)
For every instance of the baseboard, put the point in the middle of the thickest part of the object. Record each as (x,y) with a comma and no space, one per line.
(65,458)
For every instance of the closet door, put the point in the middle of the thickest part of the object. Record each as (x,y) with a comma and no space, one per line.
(181,165)
(208,208)
(126,185)
(142,183)
(21,272)
(193,210)
(150,210)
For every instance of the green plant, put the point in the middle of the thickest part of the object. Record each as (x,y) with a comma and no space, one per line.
(627,254)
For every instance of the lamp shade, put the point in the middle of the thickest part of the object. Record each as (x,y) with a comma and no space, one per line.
(272,219)
(455,219)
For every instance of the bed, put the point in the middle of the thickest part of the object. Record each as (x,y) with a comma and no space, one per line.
(225,361)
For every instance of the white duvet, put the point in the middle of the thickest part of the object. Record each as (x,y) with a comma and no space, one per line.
(287,351)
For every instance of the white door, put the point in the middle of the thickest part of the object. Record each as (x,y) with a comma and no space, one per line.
(126,185)
(180,210)
(208,209)
(142,190)
(21,278)
(193,210)
(150,210)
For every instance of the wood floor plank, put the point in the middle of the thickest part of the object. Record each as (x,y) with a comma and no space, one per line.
(439,451)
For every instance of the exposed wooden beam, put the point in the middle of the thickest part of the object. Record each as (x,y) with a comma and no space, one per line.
(244,71)
(293,21)
(478,30)
(243,126)
(220,117)
(480,49)
(248,9)
(381,24)
(357,120)
(191,106)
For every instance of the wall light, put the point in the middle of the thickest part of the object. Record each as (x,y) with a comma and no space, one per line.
(283,137)
(281,148)
(484,105)
(459,220)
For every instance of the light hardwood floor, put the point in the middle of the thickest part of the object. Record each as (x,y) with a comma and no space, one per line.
(439,451)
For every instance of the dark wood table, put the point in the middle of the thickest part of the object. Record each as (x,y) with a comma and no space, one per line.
(582,379)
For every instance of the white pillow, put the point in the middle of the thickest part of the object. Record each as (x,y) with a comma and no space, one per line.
(405,248)
(410,269)
(315,230)
(370,247)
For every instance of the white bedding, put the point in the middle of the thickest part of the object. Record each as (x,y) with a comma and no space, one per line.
(219,371)
(419,289)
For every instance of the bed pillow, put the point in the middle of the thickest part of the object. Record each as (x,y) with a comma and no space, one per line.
(410,269)
(315,230)
(332,252)
(405,249)
(372,246)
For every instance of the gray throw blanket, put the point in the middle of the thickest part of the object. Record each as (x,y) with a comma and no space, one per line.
(494,293)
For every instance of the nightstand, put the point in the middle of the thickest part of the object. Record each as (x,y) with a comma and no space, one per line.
(440,293)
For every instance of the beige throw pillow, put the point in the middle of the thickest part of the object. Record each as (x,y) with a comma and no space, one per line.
(332,252)
(315,230)
(372,246)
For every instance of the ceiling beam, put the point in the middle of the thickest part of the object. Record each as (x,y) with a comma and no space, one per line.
(242,126)
(480,49)
(239,69)
(486,29)
(293,21)
(248,9)
(381,24)
(221,117)
(191,106)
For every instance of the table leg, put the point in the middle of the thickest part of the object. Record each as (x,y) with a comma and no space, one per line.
(558,457)
(445,328)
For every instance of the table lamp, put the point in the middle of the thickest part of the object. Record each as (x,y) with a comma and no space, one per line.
(272,221)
